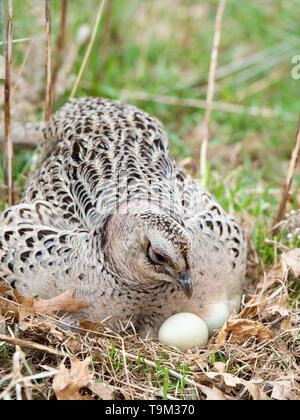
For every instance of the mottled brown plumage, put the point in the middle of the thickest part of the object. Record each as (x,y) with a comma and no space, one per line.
(110,214)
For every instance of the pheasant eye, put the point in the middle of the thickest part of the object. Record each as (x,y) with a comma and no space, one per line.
(158,257)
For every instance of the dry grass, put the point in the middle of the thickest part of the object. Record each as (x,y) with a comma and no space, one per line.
(48,75)
(134,368)
(89,48)
(210,91)
(289,178)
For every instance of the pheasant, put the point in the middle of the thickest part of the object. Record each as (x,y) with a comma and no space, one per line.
(110,214)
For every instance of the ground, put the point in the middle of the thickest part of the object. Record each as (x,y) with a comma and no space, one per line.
(152,54)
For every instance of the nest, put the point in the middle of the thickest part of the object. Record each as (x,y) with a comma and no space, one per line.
(255,355)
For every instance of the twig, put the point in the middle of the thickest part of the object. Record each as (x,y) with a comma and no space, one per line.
(60,45)
(253,111)
(42,375)
(29,344)
(31,133)
(126,370)
(15,375)
(16,41)
(289,179)
(210,89)
(3,29)
(8,144)
(89,48)
(48,99)
(24,133)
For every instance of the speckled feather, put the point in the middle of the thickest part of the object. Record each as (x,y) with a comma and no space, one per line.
(106,185)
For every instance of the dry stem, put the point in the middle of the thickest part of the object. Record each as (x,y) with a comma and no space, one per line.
(29,345)
(3,28)
(48,100)
(8,144)
(210,89)
(200,103)
(89,48)
(289,179)
(24,133)
(60,45)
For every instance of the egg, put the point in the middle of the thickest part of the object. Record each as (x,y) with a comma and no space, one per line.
(219,314)
(183,331)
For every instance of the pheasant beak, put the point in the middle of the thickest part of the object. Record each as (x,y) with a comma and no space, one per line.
(185,283)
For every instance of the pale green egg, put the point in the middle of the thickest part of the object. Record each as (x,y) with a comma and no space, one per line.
(183,331)
(217,318)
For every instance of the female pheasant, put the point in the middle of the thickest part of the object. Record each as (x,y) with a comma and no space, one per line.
(110,214)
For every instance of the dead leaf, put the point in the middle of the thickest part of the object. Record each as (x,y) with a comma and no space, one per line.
(282,390)
(230,381)
(104,391)
(222,335)
(92,327)
(68,382)
(252,307)
(286,324)
(17,297)
(63,302)
(220,367)
(271,277)
(241,329)
(7,306)
(291,261)
(27,308)
(213,393)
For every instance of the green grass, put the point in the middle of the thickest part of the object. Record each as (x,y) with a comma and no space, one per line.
(164,48)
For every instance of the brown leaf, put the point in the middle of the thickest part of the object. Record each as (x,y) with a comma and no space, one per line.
(104,391)
(230,381)
(17,297)
(222,335)
(241,329)
(27,308)
(63,302)
(68,382)
(92,327)
(213,393)
(271,277)
(252,308)
(291,261)
(286,324)
(7,306)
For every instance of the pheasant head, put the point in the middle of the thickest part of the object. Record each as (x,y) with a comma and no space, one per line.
(147,248)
